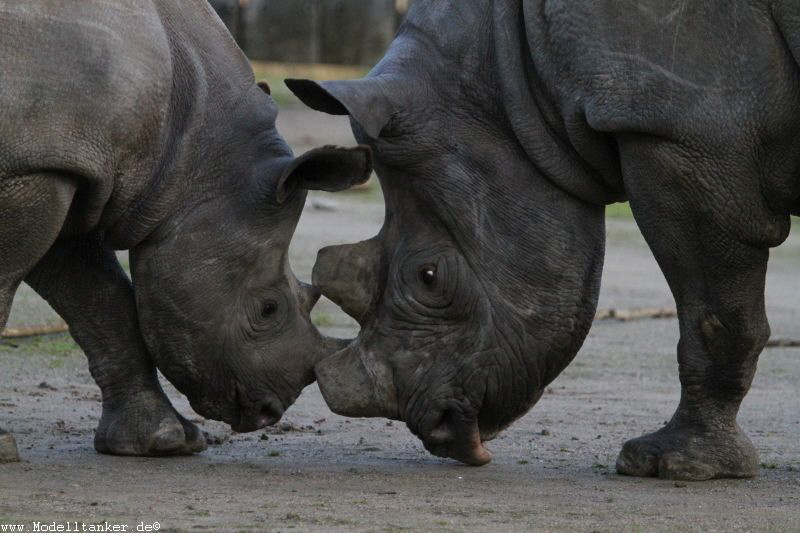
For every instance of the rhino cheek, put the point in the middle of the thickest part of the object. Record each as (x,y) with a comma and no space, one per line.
(348,275)
(354,383)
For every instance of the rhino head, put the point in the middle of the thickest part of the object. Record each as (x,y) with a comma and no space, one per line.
(221,311)
(482,284)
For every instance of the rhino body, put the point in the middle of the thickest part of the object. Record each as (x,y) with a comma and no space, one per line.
(501,129)
(137,124)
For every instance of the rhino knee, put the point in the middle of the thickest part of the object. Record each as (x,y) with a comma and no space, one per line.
(734,340)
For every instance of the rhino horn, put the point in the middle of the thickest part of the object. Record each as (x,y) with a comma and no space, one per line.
(354,383)
(348,275)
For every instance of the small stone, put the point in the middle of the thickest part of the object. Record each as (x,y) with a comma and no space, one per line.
(321,204)
(8,448)
(215,440)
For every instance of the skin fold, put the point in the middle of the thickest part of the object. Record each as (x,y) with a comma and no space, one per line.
(138,125)
(500,130)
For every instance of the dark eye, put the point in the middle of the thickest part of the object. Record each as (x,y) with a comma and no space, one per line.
(268,308)
(427,275)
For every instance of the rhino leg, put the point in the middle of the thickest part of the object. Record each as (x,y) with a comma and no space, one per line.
(713,253)
(84,282)
(32,210)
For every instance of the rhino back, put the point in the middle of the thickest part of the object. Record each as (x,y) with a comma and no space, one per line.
(79,90)
(633,59)
(119,96)
(716,79)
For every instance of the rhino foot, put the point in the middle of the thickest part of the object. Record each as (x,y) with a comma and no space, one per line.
(689,454)
(8,448)
(147,429)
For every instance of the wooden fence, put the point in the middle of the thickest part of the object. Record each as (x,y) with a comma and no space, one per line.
(347,32)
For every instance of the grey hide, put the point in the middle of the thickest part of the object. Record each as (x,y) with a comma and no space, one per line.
(137,124)
(501,129)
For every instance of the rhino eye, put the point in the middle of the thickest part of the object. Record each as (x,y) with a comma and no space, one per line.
(268,308)
(427,275)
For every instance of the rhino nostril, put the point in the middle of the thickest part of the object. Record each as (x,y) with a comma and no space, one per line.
(268,414)
(443,431)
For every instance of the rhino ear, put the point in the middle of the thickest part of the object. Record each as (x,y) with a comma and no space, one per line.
(364,100)
(329,168)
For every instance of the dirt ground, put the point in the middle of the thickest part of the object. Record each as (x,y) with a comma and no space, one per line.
(552,471)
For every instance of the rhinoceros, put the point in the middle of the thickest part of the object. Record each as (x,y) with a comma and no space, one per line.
(500,130)
(137,125)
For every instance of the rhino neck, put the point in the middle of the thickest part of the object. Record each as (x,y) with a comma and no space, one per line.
(565,150)
(211,81)
(503,63)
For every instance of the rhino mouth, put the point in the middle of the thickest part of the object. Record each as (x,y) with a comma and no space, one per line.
(472,452)
(243,415)
(454,435)
(255,415)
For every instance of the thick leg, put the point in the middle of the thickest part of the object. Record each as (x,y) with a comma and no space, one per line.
(32,211)
(83,281)
(711,240)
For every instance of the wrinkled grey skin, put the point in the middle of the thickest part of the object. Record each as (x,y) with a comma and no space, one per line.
(137,125)
(500,130)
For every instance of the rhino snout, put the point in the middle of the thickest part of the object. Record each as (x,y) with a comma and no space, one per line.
(457,438)
(257,415)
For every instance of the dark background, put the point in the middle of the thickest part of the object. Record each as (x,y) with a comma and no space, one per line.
(345,32)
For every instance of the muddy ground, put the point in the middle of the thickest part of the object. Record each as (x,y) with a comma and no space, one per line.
(552,470)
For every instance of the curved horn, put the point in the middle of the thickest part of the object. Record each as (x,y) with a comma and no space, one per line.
(348,275)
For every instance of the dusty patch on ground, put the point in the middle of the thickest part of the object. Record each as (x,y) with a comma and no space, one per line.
(553,470)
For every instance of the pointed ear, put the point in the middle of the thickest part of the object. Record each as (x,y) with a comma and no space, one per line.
(364,100)
(329,168)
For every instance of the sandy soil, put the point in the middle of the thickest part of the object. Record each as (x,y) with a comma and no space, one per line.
(552,470)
